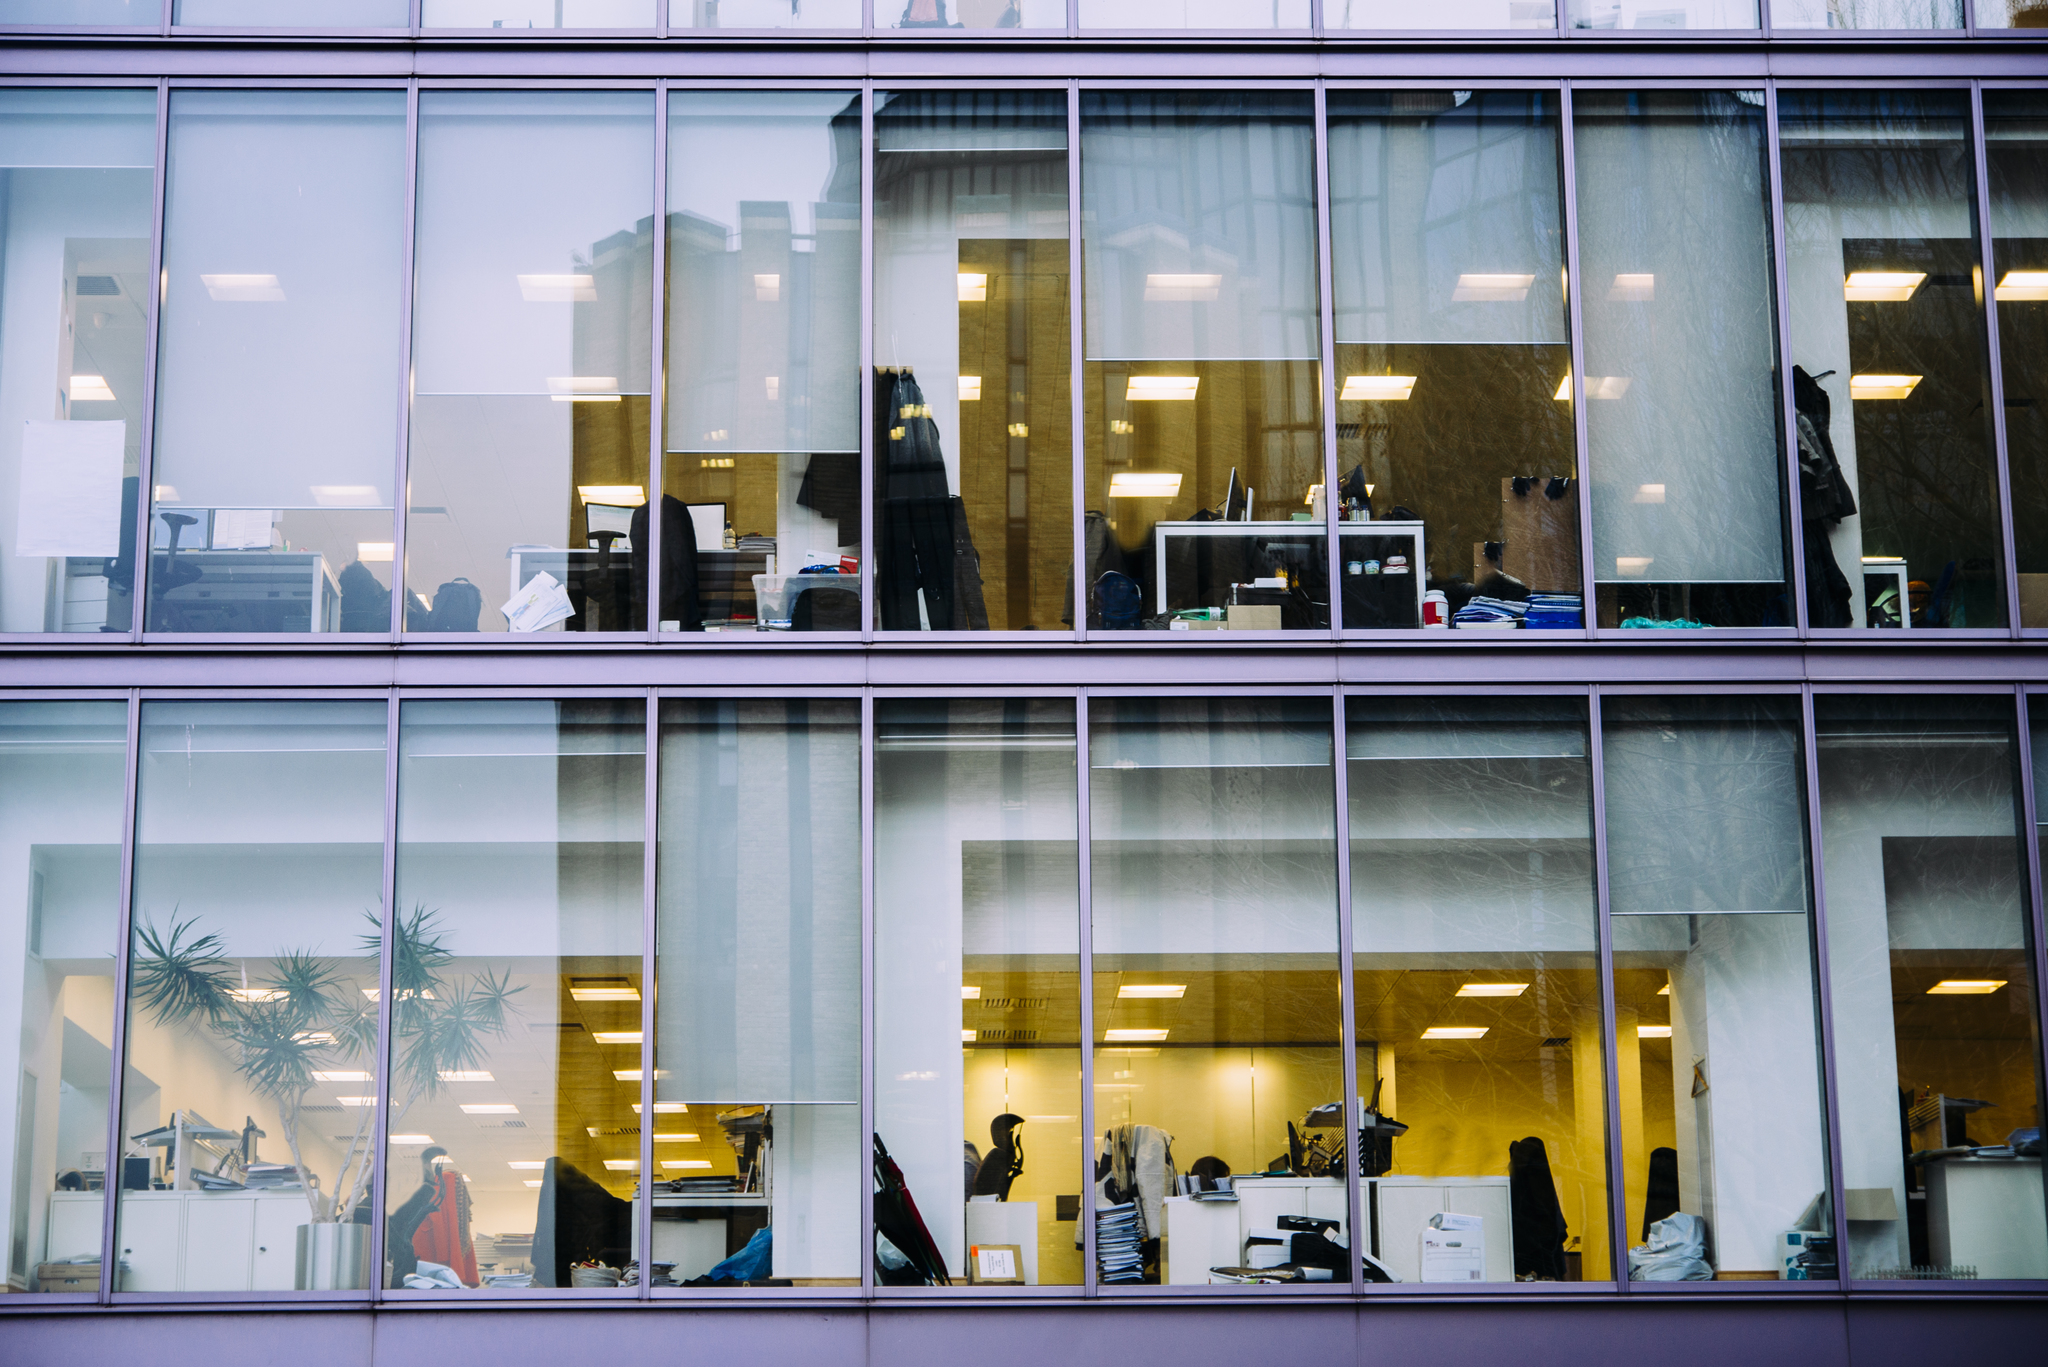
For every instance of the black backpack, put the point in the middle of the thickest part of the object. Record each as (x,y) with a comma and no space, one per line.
(457,606)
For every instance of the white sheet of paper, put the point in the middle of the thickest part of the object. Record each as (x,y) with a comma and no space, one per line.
(70,488)
(708,521)
(242,529)
(542,603)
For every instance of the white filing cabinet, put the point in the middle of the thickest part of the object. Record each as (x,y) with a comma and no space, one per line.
(189,1240)
(1986,1213)
(1007,1222)
(74,1224)
(1200,1235)
(1403,1206)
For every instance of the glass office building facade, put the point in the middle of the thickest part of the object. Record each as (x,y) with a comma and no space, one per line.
(1470,579)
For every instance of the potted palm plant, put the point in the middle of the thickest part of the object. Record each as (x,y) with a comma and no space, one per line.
(306,1017)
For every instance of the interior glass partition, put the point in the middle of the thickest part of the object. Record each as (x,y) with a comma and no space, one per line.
(973,438)
(1200,370)
(2016,160)
(514,1144)
(1682,425)
(978,989)
(528,507)
(77,189)
(63,766)
(1476,971)
(1218,1046)
(761,489)
(1937,1054)
(248,1122)
(757,1126)
(1867,14)
(1453,387)
(1898,481)
(1716,1014)
(283,294)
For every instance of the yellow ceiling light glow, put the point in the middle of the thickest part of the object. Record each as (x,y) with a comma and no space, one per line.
(1182,289)
(528,1165)
(602,989)
(1653,1032)
(1141,484)
(533,1181)
(1564,389)
(2016,287)
(583,388)
(1160,388)
(1493,989)
(973,287)
(1965,987)
(1161,991)
(376,552)
(1633,289)
(622,1165)
(1376,388)
(970,389)
(970,993)
(1882,386)
(1455,1032)
(558,289)
(677,1163)
(681,1137)
(420,1139)
(243,289)
(1134,1036)
(626,495)
(1665,990)
(90,389)
(616,1036)
(666,1108)
(967,1036)
(1888,287)
(356,1100)
(1484,288)
(1633,566)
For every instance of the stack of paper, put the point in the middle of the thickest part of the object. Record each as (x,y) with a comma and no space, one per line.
(1117,1258)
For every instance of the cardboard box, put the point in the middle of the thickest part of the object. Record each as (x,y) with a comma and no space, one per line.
(1254,617)
(68,1277)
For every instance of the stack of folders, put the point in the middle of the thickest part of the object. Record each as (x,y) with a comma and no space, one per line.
(271,1177)
(1117,1258)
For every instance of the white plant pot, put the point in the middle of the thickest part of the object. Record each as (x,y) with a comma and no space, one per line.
(333,1257)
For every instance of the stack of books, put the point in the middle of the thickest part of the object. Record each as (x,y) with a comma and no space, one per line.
(271,1177)
(1117,1235)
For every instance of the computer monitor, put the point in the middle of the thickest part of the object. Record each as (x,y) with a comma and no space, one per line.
(608,517)
(1234,499)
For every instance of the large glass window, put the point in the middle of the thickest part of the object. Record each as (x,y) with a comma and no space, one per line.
(1194,14)
(248,1119)
(978,989)
(771,14)
(1201,377)
(761,489)
(757,1129)
(539,14)
(973,430)
(1664,15)
(109,13)
(531,372)
(970,14)
(2011,14)
(514,1148)
(284,238)
(259,14)
(1867,14)
(1936,1048)
(1682,420)
(1714,990)
(1898,485)
(1218,1048)
(1454,423)
(62,772)
(1445,15)
(2016,159)
(76,194)
(1476,971)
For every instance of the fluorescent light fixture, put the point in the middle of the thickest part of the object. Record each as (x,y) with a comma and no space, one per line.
(1018,429)
(1160,387)
(2016,287)
(464,1075)
(682,1163)
(584,388)
(616,1036)
(1119,428)
(258,994)
(1182,289)
(973,287)
(1965,987)
(1149,484)
(341,1077)
(533,1181)
(680,1138)
(665,1108)
(767,289)
(314,1037)
(772,386)
(1133,1036)
(1892,287)
(1159,990)
(491,1108)
(1493,989)
(1564,389)
(412,1139)
(243,289)
(967,1036)
(90,389)
(1882,386)
(1649,493)
(622,1165)
(970,388)
(376,552)
(1492,289)
(347,496)
(168,493)
(602,989)
(1455,1032)
(1607,386)
(357,1100)
(1633,566)
(970,994)
(558,289)
(715,463)
(626,495)
(1653,1032)
(633,1075)
(1632,289)
(1380,388)
(1665,990)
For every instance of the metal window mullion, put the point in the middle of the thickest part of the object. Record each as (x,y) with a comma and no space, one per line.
(657,389)
(1988,272)
(1084,906)
(415,14)
(402,458)
(164,27)
(650,932)
(1575,329)
(870,607)
(1077,379)
(388,938)
(1610,1053)
(661,8)
(867,985)
(1326,391)
(2037,926)
(1788,414)
(1347,997)
(145,460)
(124,918)
(1073,18)
(1824,980)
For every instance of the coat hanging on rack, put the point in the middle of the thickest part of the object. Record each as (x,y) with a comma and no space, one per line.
(924,542)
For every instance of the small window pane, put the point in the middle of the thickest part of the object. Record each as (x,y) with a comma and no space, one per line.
(1867,14)
(1454,424)
(763,14)
(1675,248)
(2020,14)
(1715,1009)
(1218,1048)
(125,13)
(531,341)
(978,982)
(1898,484)
(972,14)
(76,191)
(1933,993)
(1477,978)
(1656,15)
(538,14)
(972,336)
(758,1153)
(1194,14)
(296,14)
(2016,157)
(1446,15)
(514,1150)
(1202,361)
(249,1100)
(284,238)
(62,772)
